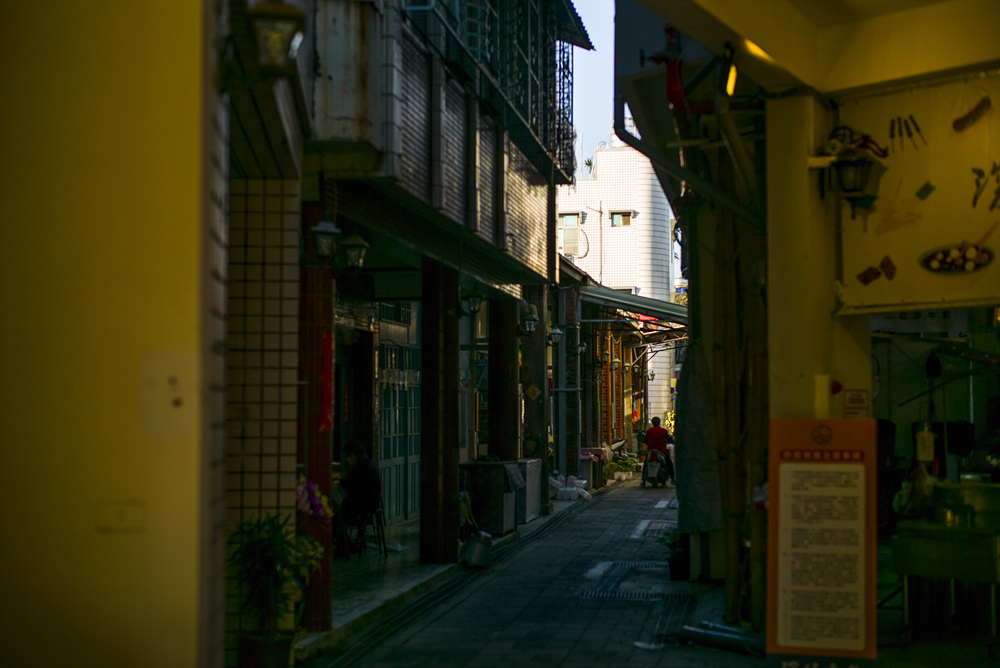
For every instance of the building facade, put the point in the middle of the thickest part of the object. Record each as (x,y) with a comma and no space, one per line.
(431,136)
(616,224)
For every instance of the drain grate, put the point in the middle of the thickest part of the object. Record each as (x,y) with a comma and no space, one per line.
(630,580)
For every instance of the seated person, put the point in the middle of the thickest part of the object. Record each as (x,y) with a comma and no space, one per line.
(364,491)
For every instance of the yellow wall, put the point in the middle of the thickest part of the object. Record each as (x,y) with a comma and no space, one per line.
(802,236)
(100,207)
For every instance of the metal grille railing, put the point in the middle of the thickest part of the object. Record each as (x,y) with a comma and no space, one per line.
(515,43)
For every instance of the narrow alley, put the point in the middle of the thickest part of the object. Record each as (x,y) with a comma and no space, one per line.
(589,588)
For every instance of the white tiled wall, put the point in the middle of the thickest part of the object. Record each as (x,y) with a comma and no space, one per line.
(637,256)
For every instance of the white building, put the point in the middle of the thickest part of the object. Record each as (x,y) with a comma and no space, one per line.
(615,224)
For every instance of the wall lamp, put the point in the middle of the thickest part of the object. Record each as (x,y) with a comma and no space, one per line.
(581,347)
(852,173)
(475,301)
(605,356)
(651,375)
(355,248)
(327,242)
(324,235)
(851,165)
(529,317)
(616,364)
(279,30)
(555,335)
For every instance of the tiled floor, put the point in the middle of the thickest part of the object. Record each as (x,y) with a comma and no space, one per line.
(369,587)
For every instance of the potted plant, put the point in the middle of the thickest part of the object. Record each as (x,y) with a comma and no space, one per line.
(678,554)
(609,472)
(625,466)
(271,564)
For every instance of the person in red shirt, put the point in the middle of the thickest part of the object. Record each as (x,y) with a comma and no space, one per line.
(656,439)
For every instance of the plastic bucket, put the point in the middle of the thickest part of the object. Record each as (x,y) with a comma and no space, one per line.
(475,552)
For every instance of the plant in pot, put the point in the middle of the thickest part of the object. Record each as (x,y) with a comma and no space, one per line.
(625,466)
(609,472)
(678,553)
(271,564)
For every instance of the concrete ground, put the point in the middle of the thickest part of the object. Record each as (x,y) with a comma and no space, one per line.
(585,586)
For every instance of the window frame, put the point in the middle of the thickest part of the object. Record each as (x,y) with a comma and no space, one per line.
(626,216)
(560,232)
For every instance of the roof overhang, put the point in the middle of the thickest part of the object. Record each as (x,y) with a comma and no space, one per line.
(835,46)
(570,27)
(655,308)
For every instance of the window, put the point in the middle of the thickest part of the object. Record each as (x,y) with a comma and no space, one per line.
(621,219)
(568,234)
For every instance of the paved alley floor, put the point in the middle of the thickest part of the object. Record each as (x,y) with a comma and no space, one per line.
(593,590)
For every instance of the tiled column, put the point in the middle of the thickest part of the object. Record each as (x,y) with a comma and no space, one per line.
(263,340)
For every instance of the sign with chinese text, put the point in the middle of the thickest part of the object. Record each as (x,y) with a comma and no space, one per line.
(926,231)
(944,322)
(856,405)
(821,570)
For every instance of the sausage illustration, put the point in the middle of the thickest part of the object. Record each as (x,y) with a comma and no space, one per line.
(969,119)
(888,267)
(869,275)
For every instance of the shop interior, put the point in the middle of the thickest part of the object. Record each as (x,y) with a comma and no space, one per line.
(936,396)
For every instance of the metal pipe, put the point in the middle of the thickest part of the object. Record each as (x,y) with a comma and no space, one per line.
(734,144)
(746,643)
(559,351)
(677,172)
(993,609)
(906,601)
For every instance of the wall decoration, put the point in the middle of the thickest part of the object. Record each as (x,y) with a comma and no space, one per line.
(929,237)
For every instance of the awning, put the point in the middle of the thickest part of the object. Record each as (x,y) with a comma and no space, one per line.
(657,308)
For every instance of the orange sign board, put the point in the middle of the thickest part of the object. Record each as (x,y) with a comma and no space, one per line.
(821,570)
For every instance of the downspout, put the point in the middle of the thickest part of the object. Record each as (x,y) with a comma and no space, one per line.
(662,162)
(559,354)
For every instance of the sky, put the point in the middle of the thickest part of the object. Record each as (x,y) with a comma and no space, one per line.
(593,79)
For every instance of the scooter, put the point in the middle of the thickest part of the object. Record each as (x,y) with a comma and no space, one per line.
(654,472)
